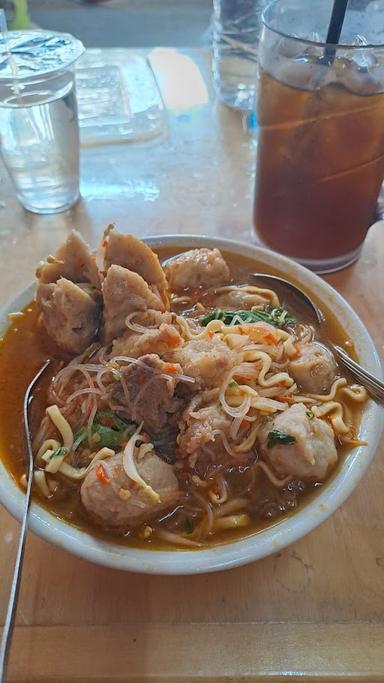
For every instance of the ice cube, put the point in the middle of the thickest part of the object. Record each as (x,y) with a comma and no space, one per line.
(304,72)
(360,41)
(361,74)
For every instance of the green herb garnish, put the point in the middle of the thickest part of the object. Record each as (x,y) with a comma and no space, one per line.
(59,452)
(111,429)
(278,317)
(233,384)
(108,418)
(111,438)
(310,415)
(276,438)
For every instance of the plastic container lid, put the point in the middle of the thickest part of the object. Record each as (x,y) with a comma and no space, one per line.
(36,53)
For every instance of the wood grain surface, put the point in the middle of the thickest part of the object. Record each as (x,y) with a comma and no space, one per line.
(314,611)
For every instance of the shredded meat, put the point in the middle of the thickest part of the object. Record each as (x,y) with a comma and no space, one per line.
(70,314)
(120,504)
(197,268)
(150,395)
(313,452)
(207,360)
(124,292)
(131,253)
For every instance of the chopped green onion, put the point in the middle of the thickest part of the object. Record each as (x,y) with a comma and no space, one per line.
(233,384)
(275,438)
(108,431)
(310,415)
(59,452)
(278,317)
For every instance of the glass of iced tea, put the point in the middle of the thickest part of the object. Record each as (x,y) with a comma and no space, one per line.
(320,108)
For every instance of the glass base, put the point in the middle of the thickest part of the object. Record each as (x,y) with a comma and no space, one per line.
(319,266)
(45,210)
(331,265)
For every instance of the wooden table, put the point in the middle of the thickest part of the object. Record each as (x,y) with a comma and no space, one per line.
(314,610)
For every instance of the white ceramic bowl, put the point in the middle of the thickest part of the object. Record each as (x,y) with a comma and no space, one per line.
(262,543)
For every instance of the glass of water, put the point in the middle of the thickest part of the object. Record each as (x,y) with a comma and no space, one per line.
(39,130)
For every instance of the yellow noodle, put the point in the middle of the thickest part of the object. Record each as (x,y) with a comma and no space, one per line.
(41,483)
(356,393)
(232,522)
(338,383)
(290,348)
(62,425)
(248,443)
(334,411)
(79,473)
(266,364)
(47,445)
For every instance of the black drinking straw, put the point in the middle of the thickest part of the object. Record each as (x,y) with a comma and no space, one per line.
(335,28)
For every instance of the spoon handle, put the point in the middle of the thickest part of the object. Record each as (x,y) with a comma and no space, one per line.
(14,592)
(373,385)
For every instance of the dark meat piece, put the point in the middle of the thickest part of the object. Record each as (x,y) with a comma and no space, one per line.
(150,395)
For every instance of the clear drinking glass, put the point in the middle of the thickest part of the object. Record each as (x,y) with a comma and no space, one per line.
(39,127)
(320,157)
(236,27)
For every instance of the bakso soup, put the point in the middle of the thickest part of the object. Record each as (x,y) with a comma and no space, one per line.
(185,405)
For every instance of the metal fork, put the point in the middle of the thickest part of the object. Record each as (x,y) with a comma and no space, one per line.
(14,592)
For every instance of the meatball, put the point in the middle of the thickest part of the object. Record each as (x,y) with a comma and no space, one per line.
(197,268)
(313,451)
(314,369)
(207,360)
(119,503)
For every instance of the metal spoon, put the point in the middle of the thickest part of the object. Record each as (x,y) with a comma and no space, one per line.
(14,592)
(374,386)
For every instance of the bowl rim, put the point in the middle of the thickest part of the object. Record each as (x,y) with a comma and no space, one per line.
(262,543)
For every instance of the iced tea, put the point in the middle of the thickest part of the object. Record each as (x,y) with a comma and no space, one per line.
(320,168)
(320,157)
